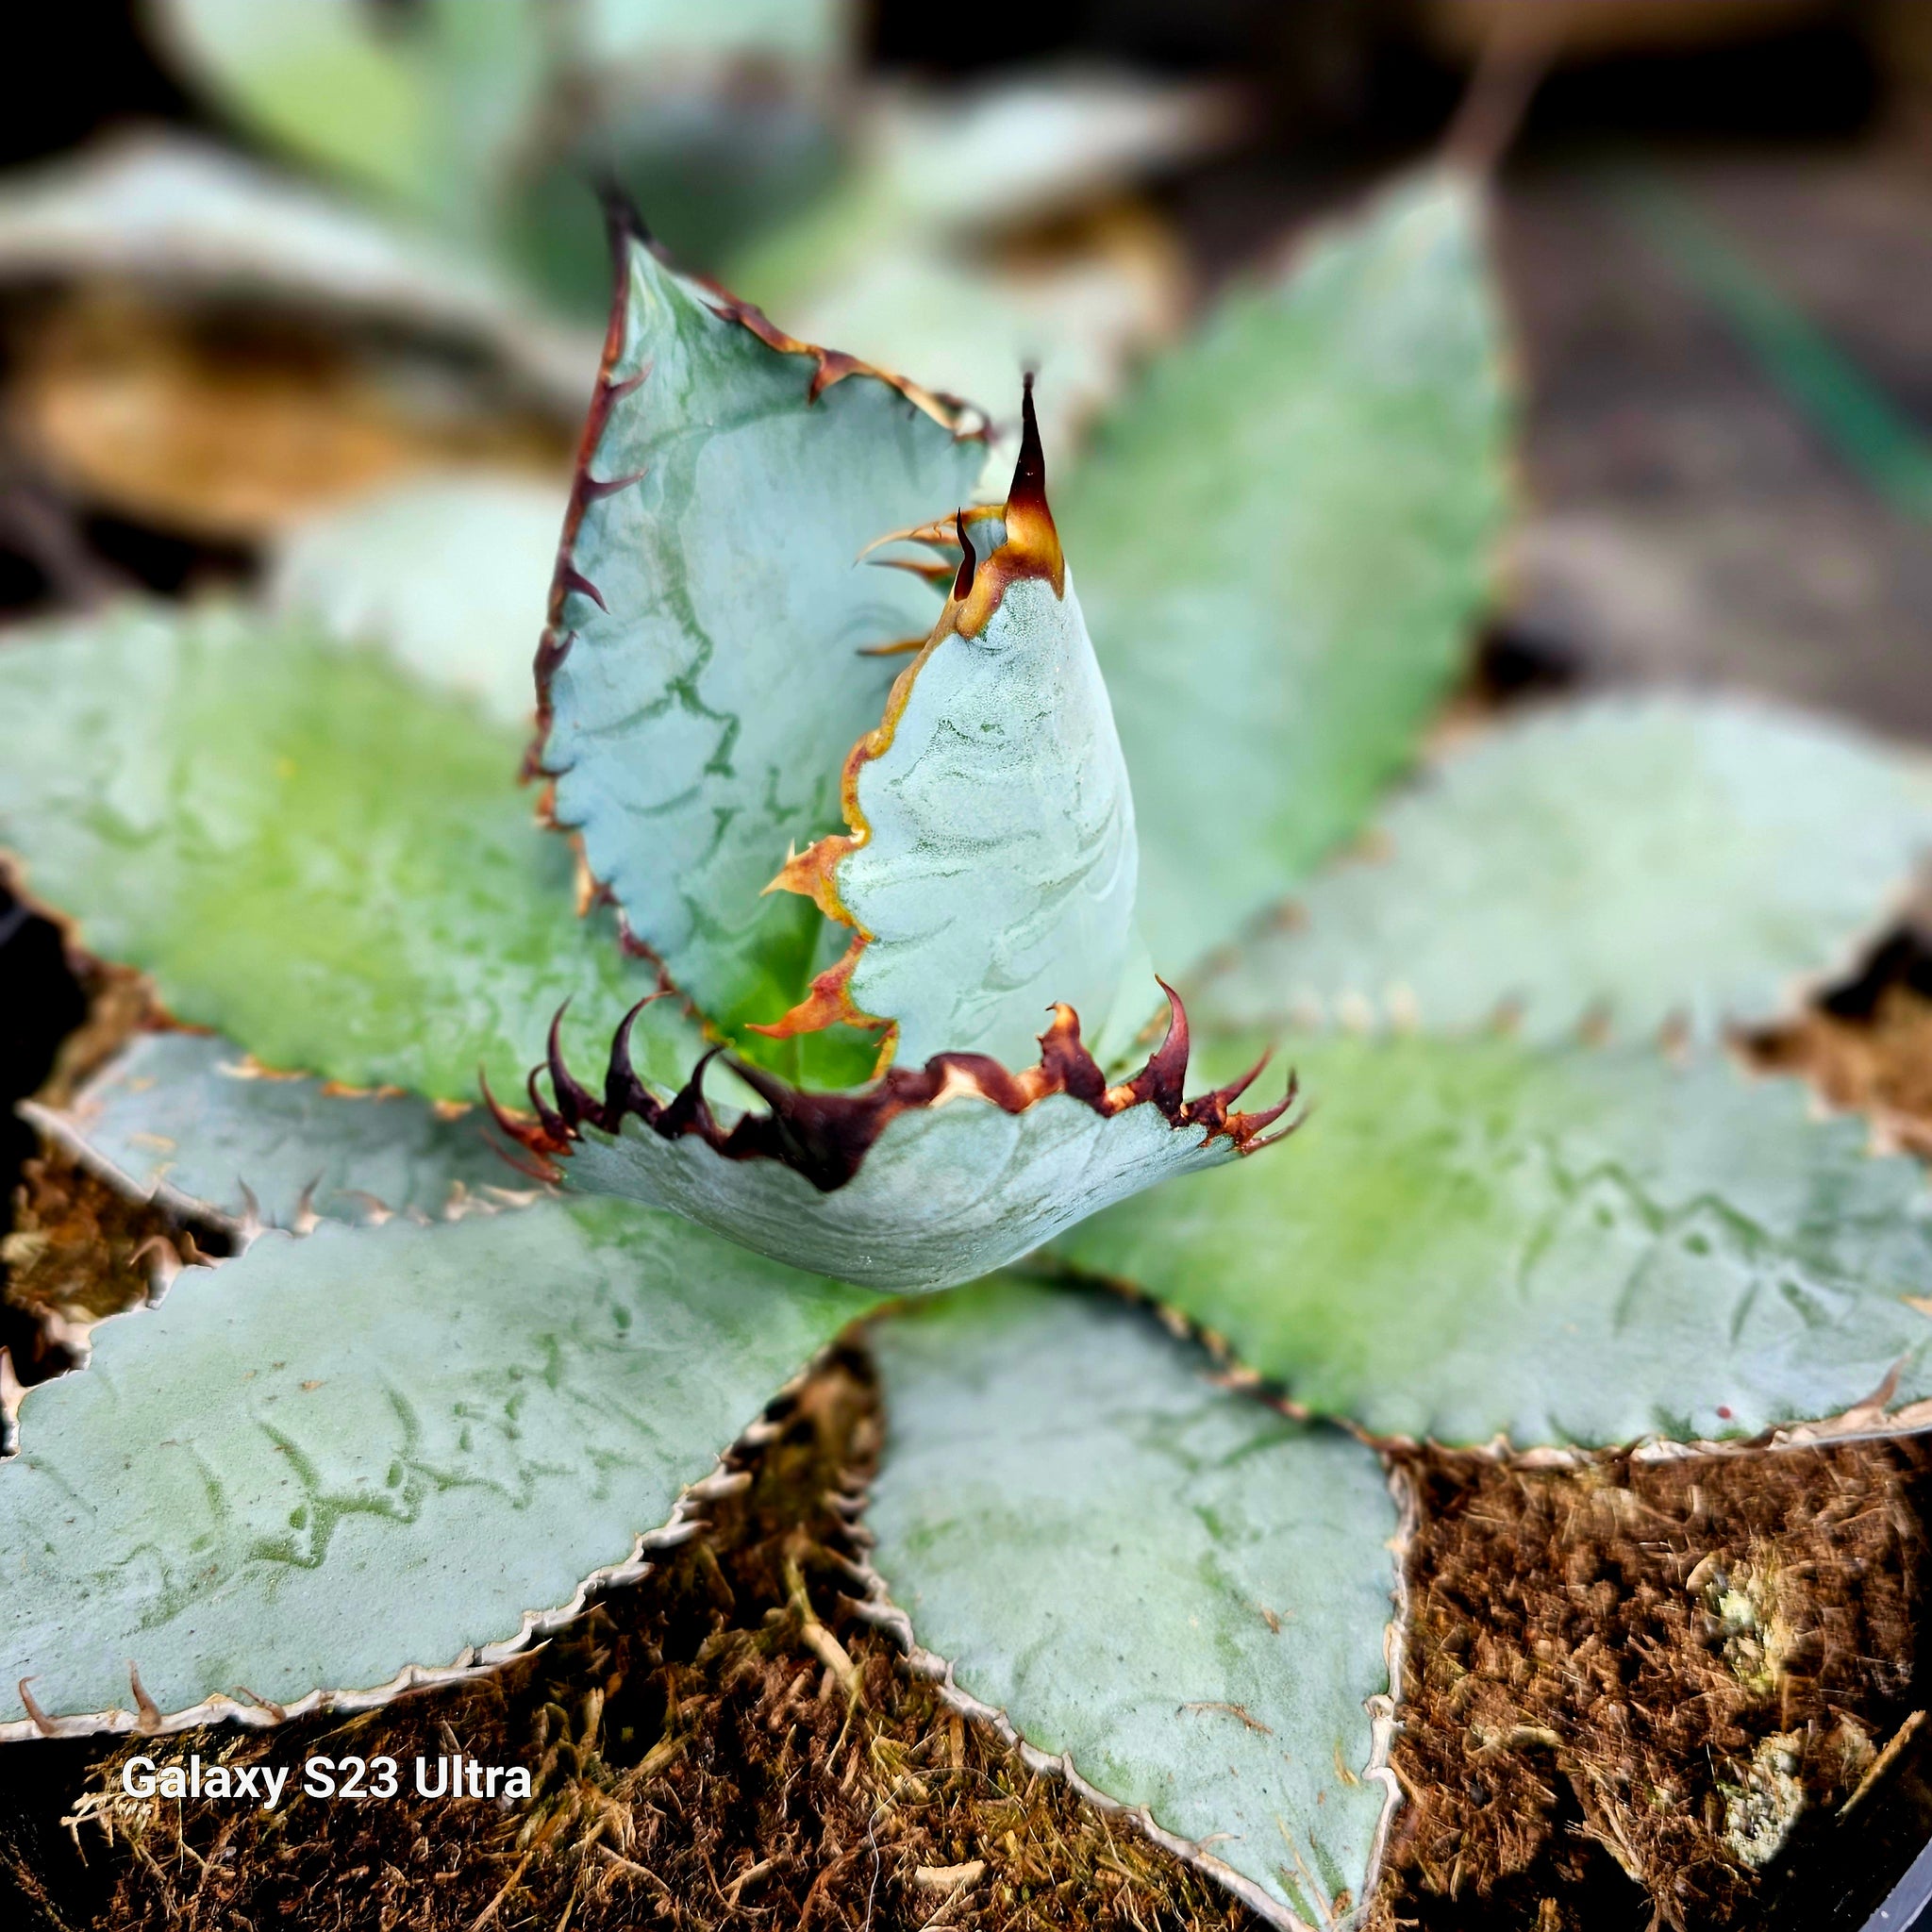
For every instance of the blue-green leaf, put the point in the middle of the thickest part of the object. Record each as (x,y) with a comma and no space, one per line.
(989,868)
(187,1119)
(343,1463)
(1171,1588)
(704,674)
(1631,861)
(921,1181)
(1284,539)
(448,573)
(1472,1238)
(310,853)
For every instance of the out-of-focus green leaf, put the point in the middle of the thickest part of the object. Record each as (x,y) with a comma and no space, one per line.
(337,1460)
(430,104)
(1284,537)
(197,220)
(184,1116)
(714,681)
(678,35)
(1632,861)
(317,75)
(1174,1587)
(449,574)
(1026,146)
(310,854)
(1472,1237)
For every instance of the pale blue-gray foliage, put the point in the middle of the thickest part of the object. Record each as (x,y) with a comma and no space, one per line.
(184,1116)
(1633,859)
(1173,1585)
(705,707)
(1471,1238)
(998,874)
(338,1456)
(945,1194)
(1286,534)
(448,573)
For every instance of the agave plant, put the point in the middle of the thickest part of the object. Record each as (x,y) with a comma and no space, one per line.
(877,822)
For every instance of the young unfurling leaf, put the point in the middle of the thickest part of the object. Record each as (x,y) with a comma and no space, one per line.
(990,867)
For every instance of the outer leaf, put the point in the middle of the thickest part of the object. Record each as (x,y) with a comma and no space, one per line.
(448,573)
(924,1179)
(1589,1247)
(343,1462)
(309,854)
(989,865)
(1284,539)
(1635,859)
(193,217)
(1176,1589)
(186,1117)
(703,677)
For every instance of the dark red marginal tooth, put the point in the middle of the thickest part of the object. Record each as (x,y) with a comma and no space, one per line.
(690,1111)
(963,581)
(1242,1127)
(1063,1055)
(825,1137)
(553,1122)
(1210,1110)
(1162,1079)
(595,489)
(987,1075)
(1028,488)
(624,1092)
(570,578)
(526,1134)
(574,1102)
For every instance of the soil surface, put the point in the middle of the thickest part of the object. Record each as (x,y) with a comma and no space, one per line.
(1632,1687)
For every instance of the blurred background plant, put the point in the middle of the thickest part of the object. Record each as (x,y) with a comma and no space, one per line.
(262,262)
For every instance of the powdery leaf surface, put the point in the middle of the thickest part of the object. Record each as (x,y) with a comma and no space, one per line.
(705,673)
(1285,535)
(1472,1238)
(1634,859)
(1173,1585)
(335,1458)
(185,1115)
(310,853)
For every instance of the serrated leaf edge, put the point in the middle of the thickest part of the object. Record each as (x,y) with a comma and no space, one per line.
(877,1609)
(825,1137)
(685,1521)
(625,228)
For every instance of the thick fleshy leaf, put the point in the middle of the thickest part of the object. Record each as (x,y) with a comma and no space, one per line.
(448,573)
(919,1181)
(310,854)
(1593,1245)
(999,874)
(336,1462)
(705,673)
(192,218)
(1284,537)
(989,868)
(1171,1586)
(186,1117)
(1631,861)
